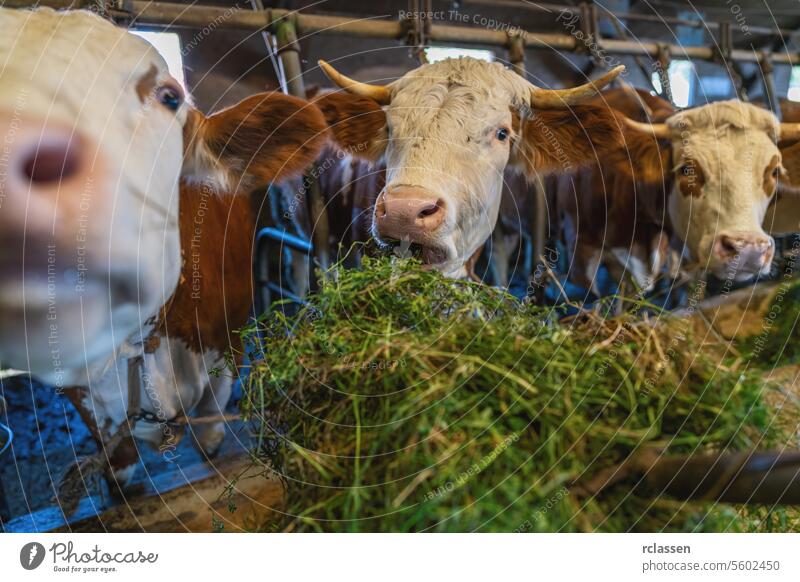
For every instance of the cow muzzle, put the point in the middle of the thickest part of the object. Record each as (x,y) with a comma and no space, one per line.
(743,255)
(55,245)
(414,215)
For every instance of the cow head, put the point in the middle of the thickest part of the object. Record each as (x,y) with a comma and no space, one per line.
(95,137)
(721,165)
(447,131)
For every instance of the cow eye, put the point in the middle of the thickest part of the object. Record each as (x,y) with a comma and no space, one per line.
(170,97)
(686,170)
(502,134)
(776,171)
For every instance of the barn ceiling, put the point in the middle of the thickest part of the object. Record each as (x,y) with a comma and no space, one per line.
(375,59)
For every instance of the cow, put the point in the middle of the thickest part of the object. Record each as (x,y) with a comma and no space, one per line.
(351,186)
(446,132)
(704,176)
(124,230)
(721,166)
(604,217)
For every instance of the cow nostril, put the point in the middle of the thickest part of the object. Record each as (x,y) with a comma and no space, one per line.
(51,163)
(728,245)
(430,209)
(425,212)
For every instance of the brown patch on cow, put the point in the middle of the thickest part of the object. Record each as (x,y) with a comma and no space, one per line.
(560,140)
(644,158)
(691,178)
(771,175)
(358,124)
(790,160)
(265,137)
(624,101)
(215,290)
(192,136)
(146,84)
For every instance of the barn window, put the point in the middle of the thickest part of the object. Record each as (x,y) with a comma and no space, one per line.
(169,45)
(794,85)
(681,80)
(435,54)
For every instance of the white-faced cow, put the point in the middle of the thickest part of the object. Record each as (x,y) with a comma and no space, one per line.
(695,185)
(101,251)
(446,132)
(720,166)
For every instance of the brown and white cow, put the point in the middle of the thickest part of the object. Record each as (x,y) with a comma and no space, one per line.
(606,217)
(97,240)
(719,166)
(702,178)
(446,132)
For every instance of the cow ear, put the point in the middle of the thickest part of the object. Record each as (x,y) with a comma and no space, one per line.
(266,137)
(358,124)
(561,140)
(790,159)
(642,157)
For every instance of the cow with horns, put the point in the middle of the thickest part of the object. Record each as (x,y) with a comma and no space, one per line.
(698,189)
(125,235)
(446,132)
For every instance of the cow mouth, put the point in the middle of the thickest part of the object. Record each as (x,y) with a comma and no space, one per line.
(428,254)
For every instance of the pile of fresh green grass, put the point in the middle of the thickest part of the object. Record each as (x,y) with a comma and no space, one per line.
(398,400)
(778,343)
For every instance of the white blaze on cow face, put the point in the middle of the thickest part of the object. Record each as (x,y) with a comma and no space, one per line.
(727,164)
(88,187)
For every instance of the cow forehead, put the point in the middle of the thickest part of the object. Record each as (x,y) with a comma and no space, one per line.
(72,49)
(462,92)
(723,121)
(730,133)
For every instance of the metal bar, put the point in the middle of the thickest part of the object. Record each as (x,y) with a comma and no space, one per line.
(271,50)
(289,53)
(285,293)
(265,287)
(771,477)
(285,239)
(767,70)
(653,18)
(163,14)
(536,245)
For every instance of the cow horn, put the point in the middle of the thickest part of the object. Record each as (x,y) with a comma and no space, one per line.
(563,98)
(790,131)
(660,130)
(379,93)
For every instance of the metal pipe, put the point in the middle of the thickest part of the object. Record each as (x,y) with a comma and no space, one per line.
(265,287)
(536,245)
(767,70)
(161,14)
(652,18)
(289,53)
(769,477)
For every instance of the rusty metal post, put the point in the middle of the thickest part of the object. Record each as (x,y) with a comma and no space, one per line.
(289,53)
(767,69)
(663,60)
(538,216)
